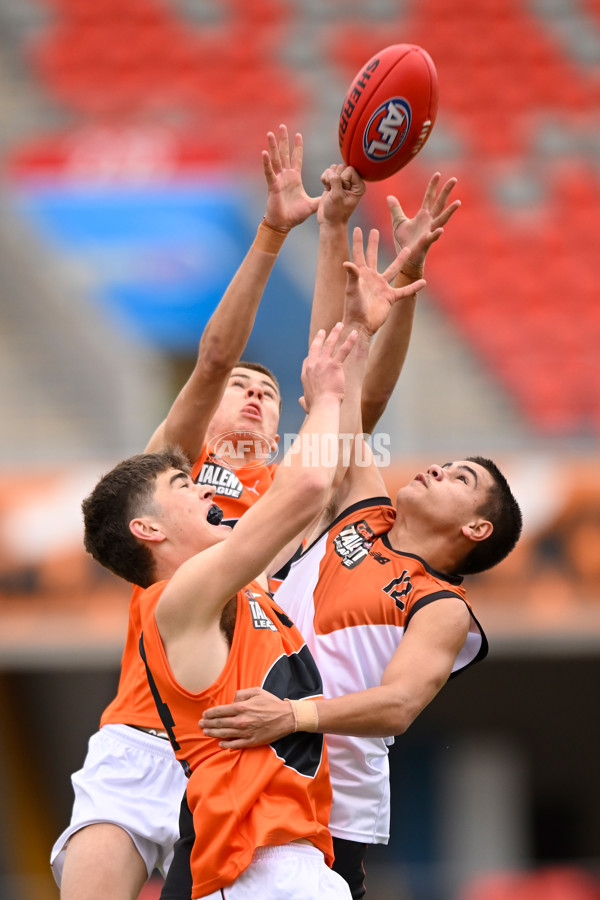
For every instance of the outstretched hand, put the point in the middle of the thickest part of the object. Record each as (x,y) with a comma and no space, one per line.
(369,294)
(343,189)
(323,368)
(288,204)
(255,717)
(427,227)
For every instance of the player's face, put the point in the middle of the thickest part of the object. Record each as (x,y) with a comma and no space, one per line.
(249,404)
(186,512)
(447,495)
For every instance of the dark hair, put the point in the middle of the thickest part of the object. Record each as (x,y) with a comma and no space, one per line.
(503,511)
(122,494)
(258,367)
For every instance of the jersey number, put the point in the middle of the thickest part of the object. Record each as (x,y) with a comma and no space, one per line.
(399,587)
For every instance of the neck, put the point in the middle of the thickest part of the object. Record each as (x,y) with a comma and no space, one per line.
(167,559)
(432,547)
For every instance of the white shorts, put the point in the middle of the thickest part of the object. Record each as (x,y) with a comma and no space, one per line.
(290,872)
(131,779)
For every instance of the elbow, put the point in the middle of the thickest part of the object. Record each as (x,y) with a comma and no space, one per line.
(401,726)
(401,716)
(374,398)
(397,723)
(216,357)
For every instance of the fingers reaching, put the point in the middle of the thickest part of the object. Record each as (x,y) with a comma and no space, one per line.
(431,191)
(273,152)
(397,213)
(442,197)
(331,346)
(358,251)
(395,266)
(284,147)
(372,252)
(336,348)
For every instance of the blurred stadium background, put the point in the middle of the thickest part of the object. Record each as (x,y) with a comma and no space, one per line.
(130,134)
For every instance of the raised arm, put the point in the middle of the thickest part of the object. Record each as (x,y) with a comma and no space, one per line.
(200,588)
(391,344)
(343,189)
(369,302)
(369,298)
(229,327)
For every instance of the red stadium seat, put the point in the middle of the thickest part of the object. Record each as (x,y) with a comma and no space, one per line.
(527,296)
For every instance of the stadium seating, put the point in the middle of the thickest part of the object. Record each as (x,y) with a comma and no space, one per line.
(552,883)
(518,277)
(518,280)
(129,60)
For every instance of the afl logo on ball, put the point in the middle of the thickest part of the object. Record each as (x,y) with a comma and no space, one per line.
(387,129)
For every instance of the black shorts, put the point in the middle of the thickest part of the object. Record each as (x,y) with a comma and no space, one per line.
(349,863)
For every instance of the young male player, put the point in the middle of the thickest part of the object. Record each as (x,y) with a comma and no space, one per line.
(378,596)
(224,395)
(127,795)
(253,819)
(113,840)
(111,846)
(195,655)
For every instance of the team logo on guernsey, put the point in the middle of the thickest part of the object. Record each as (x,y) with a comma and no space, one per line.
(387,129)
(225,482)
(353,543)
(259,617)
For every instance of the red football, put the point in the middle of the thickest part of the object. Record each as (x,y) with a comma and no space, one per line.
(389,111)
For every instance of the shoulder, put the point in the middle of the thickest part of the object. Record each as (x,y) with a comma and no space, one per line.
(148,599)
(437,597)
(377,513)
(448,619)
